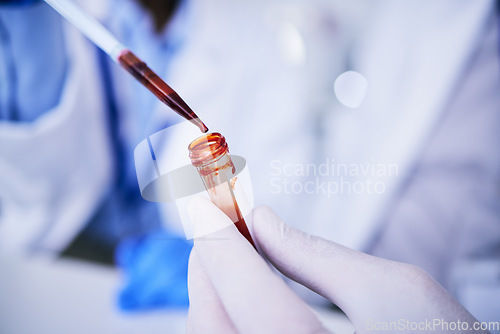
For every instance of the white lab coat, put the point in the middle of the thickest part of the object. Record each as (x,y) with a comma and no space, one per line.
(446,217)
(267,85)
(218,71)
(55,171)
(433,109)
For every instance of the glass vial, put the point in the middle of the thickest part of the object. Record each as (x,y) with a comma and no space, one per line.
(210,155)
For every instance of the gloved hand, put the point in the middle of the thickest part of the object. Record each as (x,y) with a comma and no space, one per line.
(233,290)
(155,270)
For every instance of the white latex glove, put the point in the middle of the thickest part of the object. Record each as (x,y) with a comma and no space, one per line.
(233,290)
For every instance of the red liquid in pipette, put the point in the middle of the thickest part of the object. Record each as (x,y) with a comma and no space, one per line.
(158,87)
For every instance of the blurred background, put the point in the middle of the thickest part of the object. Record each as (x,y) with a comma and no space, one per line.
(375,124)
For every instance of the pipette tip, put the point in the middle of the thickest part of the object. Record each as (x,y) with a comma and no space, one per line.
(196,121)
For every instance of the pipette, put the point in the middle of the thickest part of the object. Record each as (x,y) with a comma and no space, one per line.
(101,37)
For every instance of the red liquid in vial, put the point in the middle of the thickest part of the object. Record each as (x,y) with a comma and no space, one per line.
(209,154)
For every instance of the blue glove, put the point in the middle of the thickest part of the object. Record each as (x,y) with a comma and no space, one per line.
(155,268)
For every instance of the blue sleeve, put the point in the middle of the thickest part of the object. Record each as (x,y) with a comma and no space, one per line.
(33,61)
(18,2)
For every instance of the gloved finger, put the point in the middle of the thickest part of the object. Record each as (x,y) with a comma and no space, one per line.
(338,273)
(206,313)
(256,300)
(364,286)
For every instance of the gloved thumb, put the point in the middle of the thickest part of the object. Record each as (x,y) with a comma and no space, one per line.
(310,260)
(368,289)
(352,280)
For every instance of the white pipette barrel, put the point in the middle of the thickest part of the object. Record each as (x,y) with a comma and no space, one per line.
(100,36)
(89,26)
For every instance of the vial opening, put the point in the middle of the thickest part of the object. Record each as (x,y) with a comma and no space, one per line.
(207,149)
